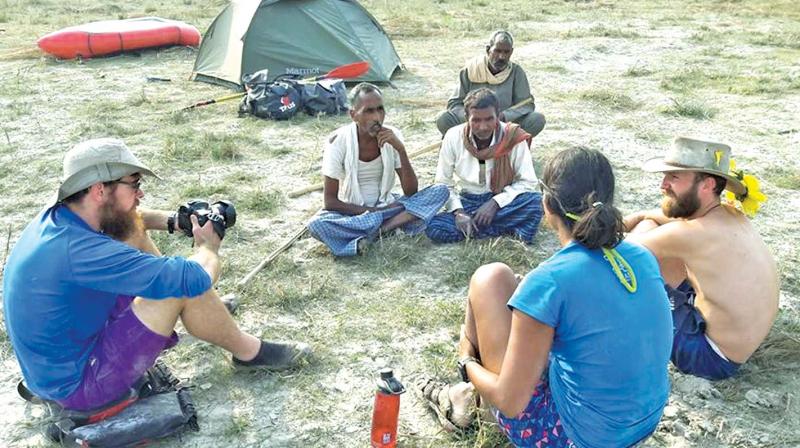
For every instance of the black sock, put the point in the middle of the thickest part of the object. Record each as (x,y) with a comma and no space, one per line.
(268,353)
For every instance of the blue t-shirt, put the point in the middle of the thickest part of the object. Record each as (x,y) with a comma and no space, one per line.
(60,285)
(608,362)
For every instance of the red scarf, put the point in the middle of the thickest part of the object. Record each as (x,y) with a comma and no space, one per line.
(502,172)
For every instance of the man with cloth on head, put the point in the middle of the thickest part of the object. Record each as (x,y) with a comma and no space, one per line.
(360,163)
(495,193)
(720,276)
(495,71)
(89,301)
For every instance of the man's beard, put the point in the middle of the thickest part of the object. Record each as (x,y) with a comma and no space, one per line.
(118,224)
(683,206)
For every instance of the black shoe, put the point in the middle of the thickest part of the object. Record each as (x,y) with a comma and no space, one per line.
(231,302)
(275,356)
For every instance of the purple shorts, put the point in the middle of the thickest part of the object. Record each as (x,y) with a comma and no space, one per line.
(539,425)
(125,349)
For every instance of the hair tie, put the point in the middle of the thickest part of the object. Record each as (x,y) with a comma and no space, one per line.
(597,204)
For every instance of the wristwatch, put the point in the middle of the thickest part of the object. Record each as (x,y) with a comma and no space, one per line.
(462,366)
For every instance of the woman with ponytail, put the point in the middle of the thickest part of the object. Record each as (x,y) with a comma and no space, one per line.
(576,354)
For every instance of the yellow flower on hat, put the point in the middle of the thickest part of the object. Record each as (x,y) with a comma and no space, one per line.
(751,200)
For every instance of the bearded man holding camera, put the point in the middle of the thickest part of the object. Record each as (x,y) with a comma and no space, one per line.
(89,301)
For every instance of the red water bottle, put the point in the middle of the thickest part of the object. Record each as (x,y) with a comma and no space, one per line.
(387,409)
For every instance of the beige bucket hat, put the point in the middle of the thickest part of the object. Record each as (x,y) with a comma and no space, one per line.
(688,154)
(98,160)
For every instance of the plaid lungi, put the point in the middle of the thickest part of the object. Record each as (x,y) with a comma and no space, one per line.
(521,218)
(341,232)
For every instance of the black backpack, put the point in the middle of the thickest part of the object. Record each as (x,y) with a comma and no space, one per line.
(157,406)
(276,100)
(325,97)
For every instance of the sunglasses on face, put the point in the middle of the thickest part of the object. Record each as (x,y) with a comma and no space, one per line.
(136,186)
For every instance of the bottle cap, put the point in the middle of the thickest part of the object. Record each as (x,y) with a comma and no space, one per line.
(386,373)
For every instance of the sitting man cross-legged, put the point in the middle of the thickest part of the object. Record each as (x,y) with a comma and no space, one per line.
(720,276)
(81,336)
(495,71)
(360,163)
(576,354)
(495,176)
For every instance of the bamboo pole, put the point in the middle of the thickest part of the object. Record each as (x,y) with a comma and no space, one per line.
(273,255)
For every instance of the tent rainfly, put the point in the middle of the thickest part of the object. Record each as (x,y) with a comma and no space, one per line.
(300,37)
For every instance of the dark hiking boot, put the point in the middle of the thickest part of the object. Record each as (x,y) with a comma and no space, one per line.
(275,356)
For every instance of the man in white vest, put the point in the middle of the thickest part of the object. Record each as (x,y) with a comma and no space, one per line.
(360,164)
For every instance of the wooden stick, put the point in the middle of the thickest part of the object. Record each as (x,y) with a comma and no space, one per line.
(411,155)
(422,151)
(305,190)
(8,246)
(272,256)
(24,53)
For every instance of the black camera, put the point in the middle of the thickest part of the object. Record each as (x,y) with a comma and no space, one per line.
(222,215)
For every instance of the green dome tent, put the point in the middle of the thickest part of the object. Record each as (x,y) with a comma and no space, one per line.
(302,37)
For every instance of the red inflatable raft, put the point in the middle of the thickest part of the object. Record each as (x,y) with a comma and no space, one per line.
(115,36)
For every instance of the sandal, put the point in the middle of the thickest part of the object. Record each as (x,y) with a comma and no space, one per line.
(435,394)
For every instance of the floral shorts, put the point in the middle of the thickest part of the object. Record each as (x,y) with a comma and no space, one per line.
(539,425)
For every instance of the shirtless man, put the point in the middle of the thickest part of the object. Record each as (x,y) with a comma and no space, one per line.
(720,276)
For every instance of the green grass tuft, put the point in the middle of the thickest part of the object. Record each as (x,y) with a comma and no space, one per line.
(389,254)
(554,68)
(689,108)
(239,424)
(471,255)
(734,81)
(423,315)
(609,98)
(636,71)
(600,31)
(203,190)
(261,201)
(785,178)
(776,39)
(686,80)
(439,359)
(186,145)
(138,99)
(178,118)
